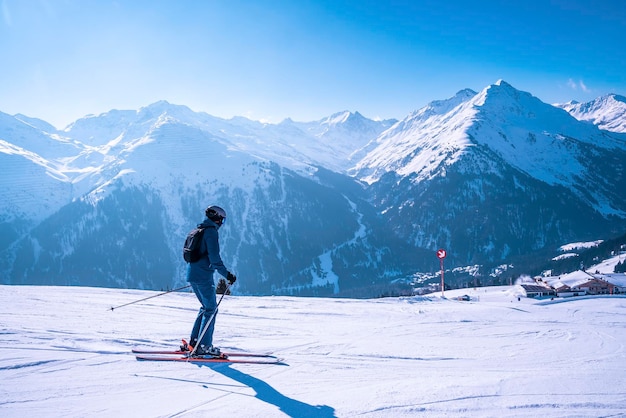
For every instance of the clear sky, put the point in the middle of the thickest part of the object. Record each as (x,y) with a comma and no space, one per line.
(304,59)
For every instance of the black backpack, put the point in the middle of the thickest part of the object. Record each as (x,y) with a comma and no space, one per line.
(191,249)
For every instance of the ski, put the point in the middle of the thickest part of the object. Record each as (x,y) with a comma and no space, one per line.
(266,359)
(182,353)
(140,351)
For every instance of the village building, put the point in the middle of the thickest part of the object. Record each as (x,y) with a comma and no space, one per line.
(580,283)
(618,280)
(537,291)
(596,287)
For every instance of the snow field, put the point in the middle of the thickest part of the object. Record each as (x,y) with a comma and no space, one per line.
(65,353)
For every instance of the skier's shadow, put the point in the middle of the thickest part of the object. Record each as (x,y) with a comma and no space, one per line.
(268,394)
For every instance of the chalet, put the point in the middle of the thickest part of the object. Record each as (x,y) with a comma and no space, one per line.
(580,283)
(560,287)
(537,291)
(564,291)
(595,286)
(567,285)
(616,279)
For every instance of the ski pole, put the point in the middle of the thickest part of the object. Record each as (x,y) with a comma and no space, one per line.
(150,297)
(206,326)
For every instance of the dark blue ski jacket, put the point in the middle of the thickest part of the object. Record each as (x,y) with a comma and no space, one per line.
(202,270)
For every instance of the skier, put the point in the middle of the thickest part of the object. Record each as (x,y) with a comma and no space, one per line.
(200,277)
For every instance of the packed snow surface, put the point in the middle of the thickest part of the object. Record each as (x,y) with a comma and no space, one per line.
(66,353)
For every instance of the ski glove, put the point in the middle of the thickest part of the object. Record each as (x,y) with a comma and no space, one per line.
(222,288)
(231,278)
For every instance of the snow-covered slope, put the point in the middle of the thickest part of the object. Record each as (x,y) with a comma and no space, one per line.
(421,142)
(33,184)
(607,112)
(549,145)
(493,356)
(36,123)
(341,138)
(31,189)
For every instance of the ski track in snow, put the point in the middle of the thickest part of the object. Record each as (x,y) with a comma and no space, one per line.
(66,353)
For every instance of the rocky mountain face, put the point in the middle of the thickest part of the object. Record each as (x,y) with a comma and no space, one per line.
(341,206)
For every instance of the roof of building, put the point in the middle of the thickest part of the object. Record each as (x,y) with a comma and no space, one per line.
(536,288)
(618,279)
(573,279)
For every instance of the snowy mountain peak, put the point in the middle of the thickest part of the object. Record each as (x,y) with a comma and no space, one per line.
(440,107)
(339,117)
(159,104)
(97,130)
(36,123)
(163,107)
(503,83)
(420,143)
(607,112)
(502,93)
(465,94)
(348,120)
(524,132)
(338,140)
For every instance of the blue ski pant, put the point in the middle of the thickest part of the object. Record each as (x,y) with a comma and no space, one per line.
(205,292)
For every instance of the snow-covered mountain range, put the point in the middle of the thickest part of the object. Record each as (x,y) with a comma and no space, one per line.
(607,112)
(323,207)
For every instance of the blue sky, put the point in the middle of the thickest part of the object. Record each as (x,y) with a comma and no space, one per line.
(304,59)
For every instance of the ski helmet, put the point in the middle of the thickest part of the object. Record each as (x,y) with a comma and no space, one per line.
(216,214)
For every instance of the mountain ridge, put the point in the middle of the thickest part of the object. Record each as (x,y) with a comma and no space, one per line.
(317,207)
(607,112)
